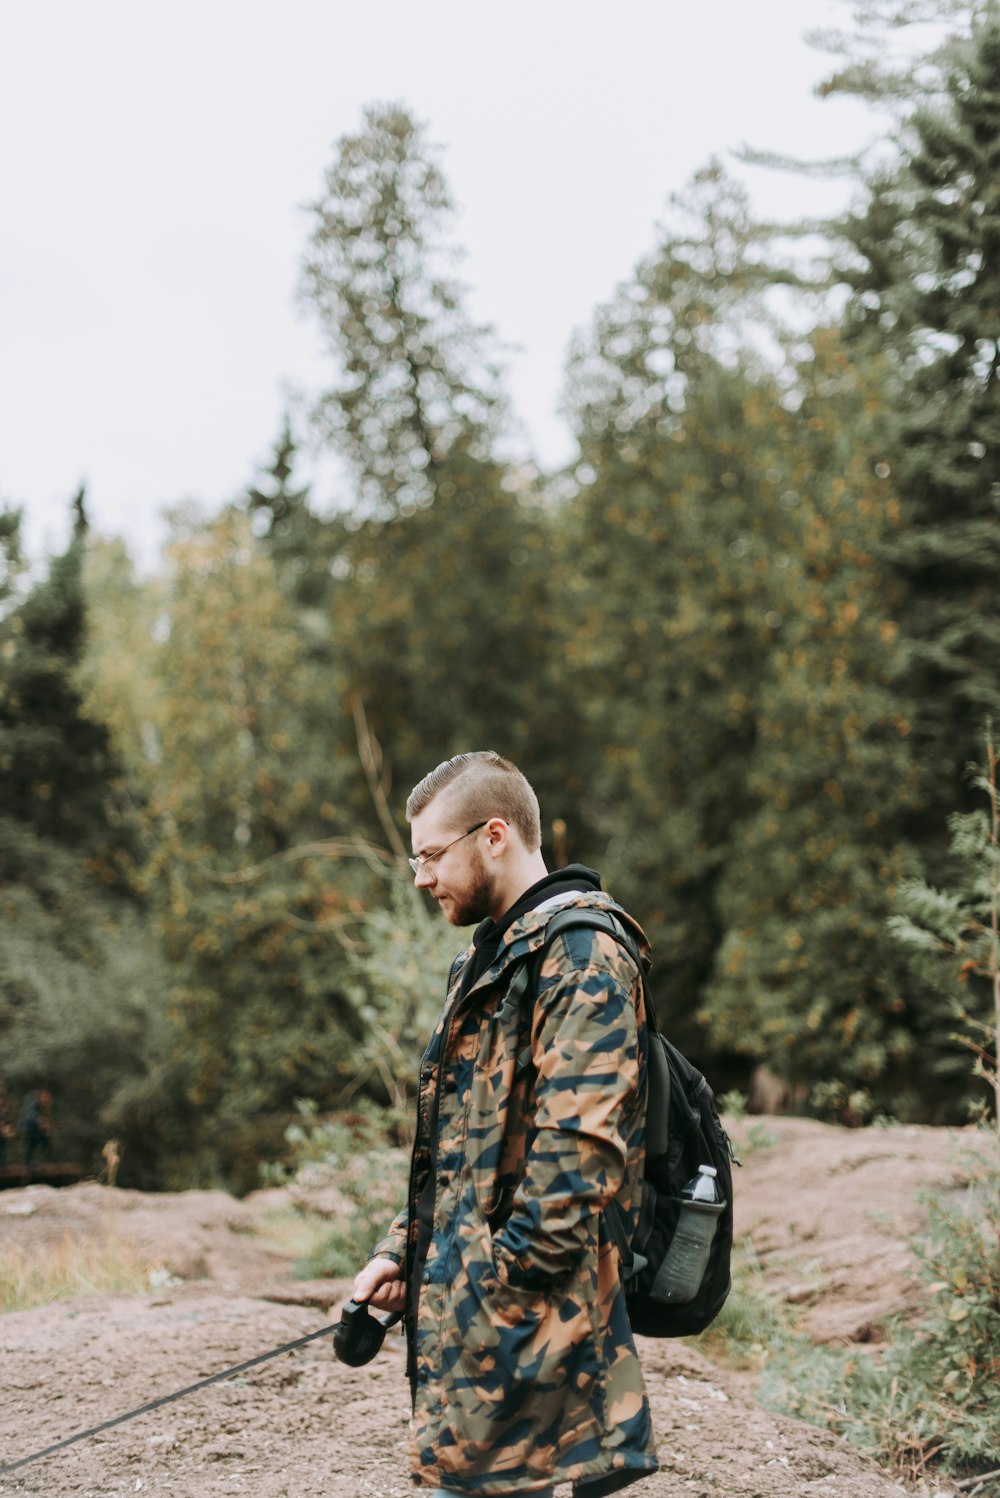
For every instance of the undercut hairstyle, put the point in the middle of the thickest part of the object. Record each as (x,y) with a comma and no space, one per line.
(478,786)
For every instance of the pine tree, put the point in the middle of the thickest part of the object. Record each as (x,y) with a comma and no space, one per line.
(56,761)
(81,979)
(416,377)
(443,625)
(927,291)
(805,978)
(667,550)
(11,561)
(952,936)
(284,521)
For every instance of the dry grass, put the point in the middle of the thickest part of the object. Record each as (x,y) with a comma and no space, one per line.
(68,1267)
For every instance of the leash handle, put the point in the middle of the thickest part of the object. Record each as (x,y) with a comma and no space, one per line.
(360,1335)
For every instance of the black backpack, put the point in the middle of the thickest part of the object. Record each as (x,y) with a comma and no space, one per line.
(683,1132)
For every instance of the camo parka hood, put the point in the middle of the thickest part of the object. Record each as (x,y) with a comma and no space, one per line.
(521,1358)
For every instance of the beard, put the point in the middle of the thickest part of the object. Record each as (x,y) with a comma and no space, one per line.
(474,903)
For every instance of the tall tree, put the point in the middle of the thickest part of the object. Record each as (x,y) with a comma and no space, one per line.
(284,520)
(417,377)
(11,560)
(667,548)
(80,976)
(805,977)
(442,613)
(56,760)
(926,287)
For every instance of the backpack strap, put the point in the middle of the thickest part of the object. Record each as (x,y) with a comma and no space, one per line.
(527,977)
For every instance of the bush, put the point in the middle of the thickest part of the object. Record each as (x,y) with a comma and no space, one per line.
(357,1154)
(931,1396)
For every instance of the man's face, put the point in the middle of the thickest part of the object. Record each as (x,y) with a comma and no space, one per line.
(460,880)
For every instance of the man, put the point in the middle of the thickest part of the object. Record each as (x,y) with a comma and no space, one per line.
(529,1121)
(35,1123)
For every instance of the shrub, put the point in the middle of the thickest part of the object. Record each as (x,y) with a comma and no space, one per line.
(357,1154)
(931,1396)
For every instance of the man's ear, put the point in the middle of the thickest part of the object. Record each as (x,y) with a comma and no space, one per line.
(499,836)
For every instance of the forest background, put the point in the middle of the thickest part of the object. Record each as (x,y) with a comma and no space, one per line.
(745,646)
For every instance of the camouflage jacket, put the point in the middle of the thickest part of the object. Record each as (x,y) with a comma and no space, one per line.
(522,1361)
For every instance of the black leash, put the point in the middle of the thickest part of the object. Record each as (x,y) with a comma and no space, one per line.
(155,1404)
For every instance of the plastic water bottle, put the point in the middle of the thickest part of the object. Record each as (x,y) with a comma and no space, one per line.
(682,1271)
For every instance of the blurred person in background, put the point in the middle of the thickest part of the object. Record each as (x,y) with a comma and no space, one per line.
(6,1127)
(35,1123)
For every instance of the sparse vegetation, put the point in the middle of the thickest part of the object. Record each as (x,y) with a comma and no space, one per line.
(930,1398)
(355,1154)
(752,1325)
(747,1137)
(70,1266)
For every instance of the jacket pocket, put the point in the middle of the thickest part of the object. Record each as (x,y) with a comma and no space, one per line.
(522,1381)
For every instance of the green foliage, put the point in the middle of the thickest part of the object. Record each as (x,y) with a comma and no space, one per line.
(296,540)
(931,1398)
(926,289)
(56,767)
(11,558)
(952,936)
(82,1000)
(806,978)
(752,1326)
(417,376)
(357,1155)
(670,577)
(401,963)
(877,69)
(755,775)
(240,869)
(81,978)
(442,613)
(237,794)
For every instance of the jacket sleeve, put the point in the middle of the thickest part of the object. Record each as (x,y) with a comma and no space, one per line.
(393,1245)
(587,1050)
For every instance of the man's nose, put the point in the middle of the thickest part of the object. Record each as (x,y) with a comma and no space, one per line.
(425,876)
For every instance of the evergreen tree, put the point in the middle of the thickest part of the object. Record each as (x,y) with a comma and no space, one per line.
(926,288)
(670,586)
(11,562)
(417,377)
(81,979)
(805,978)
(882,62)
(952,936)
(56,761)
(442,618)
(284,521)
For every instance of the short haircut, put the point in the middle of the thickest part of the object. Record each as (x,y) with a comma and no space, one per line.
(479,786)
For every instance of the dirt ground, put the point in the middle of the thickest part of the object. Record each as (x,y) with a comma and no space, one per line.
(827,1211)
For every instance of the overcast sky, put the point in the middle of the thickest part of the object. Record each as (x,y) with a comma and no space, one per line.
(155,162)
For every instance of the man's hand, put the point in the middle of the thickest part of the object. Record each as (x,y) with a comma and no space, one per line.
(380,1283)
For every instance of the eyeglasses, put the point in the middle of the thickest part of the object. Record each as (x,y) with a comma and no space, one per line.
(418,865)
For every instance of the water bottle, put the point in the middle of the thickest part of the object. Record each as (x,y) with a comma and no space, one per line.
(682,1271)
